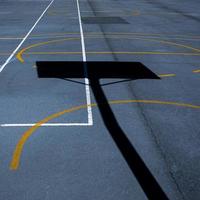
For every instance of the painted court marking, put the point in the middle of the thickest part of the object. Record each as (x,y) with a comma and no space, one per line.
(20,53)
(26,36)
(47,124)
(87,87)
(196,71)
(195,53)
(15,162)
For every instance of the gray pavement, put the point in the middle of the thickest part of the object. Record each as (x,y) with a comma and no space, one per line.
(77,162)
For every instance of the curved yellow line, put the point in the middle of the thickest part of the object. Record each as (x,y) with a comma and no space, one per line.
(196,71)
(19,147)
(117,33)
(20,53)
(166,75)
(121,34)
(114,52)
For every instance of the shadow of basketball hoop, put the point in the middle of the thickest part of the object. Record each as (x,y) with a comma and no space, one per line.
(95,71)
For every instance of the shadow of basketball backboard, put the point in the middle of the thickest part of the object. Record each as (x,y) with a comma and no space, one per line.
(95,71)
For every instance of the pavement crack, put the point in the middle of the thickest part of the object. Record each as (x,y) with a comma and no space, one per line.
(148,126)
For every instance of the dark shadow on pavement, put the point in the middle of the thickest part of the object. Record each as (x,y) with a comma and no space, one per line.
(95,72)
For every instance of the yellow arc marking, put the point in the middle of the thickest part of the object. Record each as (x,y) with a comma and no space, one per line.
(14,164)
(114,52)
(19,147)
(20,53)
(196,71)
(167,75)
(116,33)
(139,34)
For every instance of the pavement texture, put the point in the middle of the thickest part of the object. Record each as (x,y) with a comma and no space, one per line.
(70,157)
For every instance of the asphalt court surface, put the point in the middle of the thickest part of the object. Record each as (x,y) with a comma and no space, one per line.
(160,117)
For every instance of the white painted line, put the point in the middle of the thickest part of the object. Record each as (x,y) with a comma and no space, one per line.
(26,36)
(87,87)
(47,124)
(88,100)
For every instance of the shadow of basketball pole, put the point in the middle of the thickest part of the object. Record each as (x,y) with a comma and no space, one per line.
(95,71)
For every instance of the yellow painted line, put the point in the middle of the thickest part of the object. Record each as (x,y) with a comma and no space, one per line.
(111,33)
(15,162)
(119,52)
(20,53)
(166,75)
(57,33)
(196,71)
(119,33)
(121,13)
(18,150)
(148,37)
(61,35)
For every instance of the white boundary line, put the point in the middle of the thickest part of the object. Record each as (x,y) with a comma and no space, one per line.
(47,124)
(26,36)
(87,87)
